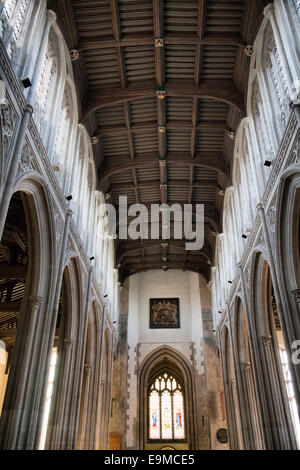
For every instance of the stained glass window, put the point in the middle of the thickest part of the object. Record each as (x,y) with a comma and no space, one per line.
(166,409)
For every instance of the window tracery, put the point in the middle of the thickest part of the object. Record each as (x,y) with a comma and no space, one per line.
(166,409)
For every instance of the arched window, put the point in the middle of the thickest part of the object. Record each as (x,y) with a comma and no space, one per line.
(166,408)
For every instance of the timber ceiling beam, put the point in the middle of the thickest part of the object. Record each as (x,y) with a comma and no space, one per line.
(94,43)
(217,90)
(211,160)
(205,184)
(125,250)
(203,269)
(10,307)
(13,272)
(106,131)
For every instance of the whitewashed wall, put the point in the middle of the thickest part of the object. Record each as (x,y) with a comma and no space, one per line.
(143,341)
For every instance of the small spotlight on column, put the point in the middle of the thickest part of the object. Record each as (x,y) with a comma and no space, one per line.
(26,82)
(268,163)
(69,198)
(92,258)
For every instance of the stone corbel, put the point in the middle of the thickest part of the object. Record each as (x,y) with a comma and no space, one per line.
(296,295)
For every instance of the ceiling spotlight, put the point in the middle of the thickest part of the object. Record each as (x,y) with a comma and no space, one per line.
(229,282)
(220,311)
(26,82)
(69,198)
(159,42)
(92,258)
(114,322)
(164,245)
(105,296)
(164,267)
(221,192)
(268,163)
(244,236)
(108,196)
(163,187)
(164,259)
(161,129)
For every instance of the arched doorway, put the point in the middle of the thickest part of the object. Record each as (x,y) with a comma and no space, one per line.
(166,402)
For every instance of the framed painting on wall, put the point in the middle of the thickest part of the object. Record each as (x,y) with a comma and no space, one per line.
(164,313)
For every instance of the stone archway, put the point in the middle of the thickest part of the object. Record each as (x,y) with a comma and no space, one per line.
(278,428)
(166,359)
(28,362)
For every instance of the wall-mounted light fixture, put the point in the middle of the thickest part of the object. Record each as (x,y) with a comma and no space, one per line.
(26,82)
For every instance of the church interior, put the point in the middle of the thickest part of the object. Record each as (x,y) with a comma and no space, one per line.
(110,342)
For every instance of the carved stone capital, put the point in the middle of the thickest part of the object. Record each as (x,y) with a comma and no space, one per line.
(266,340)
(29,109)
(68,344)
(296,294)
(245,366)
(35,301)
(260,207)
(87,368)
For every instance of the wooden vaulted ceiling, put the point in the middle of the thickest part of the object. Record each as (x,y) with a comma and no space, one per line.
(204,69)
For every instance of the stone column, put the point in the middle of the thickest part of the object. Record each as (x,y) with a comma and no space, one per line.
(237,388)
(280,426)
(60,270)
(20,139)
(257,437)
(287,330)
(13,412)
(57,418)
(84,439)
